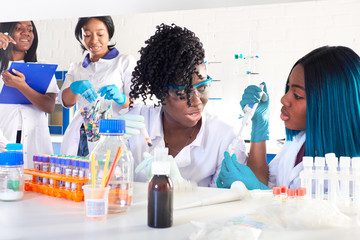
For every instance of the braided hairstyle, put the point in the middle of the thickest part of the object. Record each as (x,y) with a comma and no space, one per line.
(169,58)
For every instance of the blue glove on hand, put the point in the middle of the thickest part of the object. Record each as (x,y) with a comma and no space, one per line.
(85,88)
(232,171)
(112,92)
(260,120)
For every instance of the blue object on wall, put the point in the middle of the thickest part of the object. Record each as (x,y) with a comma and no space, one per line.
(270,157)
(60,75)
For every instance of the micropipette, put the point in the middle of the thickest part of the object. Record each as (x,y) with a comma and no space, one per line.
(146,136)
(249,111)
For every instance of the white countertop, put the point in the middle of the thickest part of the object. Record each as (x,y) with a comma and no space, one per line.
(38,216)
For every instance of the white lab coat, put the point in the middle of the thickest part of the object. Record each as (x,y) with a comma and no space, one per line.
(201,160)
(33,123)
(3,142)
(281,169)
(116,69)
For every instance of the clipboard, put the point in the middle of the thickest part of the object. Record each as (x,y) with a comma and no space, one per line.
(37,76)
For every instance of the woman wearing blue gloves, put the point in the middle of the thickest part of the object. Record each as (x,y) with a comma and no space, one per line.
(321,112)
(172,69)
(104,72)
(231,169)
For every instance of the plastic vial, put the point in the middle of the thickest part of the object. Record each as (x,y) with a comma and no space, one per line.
(290,194)
(355,164)
(344,178)
(332,164)
(307,175)
(68,172)
(52,161)
(276,193)
(301,193)
(283,193)
(45,168)
(11,176)
(122,180)
(74,173)
(319,177)
(160,192)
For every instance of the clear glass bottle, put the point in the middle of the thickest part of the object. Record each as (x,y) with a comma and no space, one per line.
(11,176)
(122,179)
(160,192)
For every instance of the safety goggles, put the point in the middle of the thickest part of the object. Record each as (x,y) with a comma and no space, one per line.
(201,89)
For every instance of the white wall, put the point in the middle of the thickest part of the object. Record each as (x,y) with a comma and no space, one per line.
(280,35)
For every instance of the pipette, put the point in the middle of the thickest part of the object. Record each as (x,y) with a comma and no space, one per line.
(249,111)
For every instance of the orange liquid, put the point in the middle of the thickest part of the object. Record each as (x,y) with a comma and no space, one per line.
(120,197)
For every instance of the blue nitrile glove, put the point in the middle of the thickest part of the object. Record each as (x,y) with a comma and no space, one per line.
(232,171)
(85,88)
(133,124)
(180,183)
(112,92)
(260,120)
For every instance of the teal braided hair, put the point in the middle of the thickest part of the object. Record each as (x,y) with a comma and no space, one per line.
(332,85)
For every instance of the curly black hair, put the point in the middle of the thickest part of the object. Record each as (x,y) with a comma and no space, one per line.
(169,58)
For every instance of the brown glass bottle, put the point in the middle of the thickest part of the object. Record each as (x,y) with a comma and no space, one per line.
(160,202)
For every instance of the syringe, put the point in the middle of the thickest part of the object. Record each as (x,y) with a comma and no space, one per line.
(249,111)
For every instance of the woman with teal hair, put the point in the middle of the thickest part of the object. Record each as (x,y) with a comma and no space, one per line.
(321,112)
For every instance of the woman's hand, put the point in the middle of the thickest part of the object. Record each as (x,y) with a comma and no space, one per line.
(16,81)
(5,40)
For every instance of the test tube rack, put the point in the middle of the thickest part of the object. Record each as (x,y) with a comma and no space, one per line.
(52,189)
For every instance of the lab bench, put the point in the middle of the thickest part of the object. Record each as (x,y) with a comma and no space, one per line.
(38,216)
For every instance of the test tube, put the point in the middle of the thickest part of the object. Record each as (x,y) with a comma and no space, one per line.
(319,177)
(332,164)
(75,173)
(344,180)
(52,161)
(67,172)
(355,164)
(45,168)
(36,167)
(307,175)
(40,161)
(58,170)
(84,169)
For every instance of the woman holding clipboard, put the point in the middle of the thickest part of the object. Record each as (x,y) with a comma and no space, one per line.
(24,123)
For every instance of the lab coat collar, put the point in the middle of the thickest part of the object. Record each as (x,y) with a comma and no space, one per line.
(157,130)
(110,55)
(183,158)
